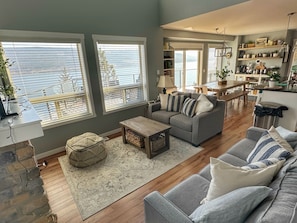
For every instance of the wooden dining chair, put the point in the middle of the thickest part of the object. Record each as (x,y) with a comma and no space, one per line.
(205,91)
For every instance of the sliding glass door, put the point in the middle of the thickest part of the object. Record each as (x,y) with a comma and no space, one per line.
(189,60)
(214,63)
(187,69)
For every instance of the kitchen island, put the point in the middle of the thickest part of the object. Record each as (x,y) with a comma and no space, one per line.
(286,96)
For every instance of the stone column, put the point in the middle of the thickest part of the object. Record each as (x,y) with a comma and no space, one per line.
(22,196)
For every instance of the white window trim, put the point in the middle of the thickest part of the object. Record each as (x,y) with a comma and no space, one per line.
(113,40)
(37,36)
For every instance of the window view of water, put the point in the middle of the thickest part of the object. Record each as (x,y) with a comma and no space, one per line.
(187,67)
(126,63)
(40,71)
(44,72)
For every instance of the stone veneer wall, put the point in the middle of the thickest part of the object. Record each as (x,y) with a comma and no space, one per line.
(22,196)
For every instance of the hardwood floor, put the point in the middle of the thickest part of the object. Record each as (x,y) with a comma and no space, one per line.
(130,208)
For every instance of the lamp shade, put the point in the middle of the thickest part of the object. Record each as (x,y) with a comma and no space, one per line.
(165,82)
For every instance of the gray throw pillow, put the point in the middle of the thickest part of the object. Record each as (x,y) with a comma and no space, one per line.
(234,206)
(288,135)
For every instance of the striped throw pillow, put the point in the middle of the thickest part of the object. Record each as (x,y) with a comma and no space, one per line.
(267,147)
(189,107)
(175,103)
(263,163)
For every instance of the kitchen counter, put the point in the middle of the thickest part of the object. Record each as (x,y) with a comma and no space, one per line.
(277,88)
(286,97)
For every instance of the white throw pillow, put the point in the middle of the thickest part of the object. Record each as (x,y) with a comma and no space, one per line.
(163,101)
(270,145)
(226,177)
(277,137)
(204,105)
(232,207)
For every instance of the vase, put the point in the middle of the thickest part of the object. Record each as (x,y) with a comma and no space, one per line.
(222,82)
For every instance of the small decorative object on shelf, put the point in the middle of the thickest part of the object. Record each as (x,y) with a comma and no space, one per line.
(251,44)
(222,75)
(261,41)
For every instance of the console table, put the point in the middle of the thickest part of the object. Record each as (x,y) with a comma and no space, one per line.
(26,125)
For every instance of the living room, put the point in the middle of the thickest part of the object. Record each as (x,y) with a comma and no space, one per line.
(130,18)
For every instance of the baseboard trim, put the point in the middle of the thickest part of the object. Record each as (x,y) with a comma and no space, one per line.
(62,148)
(50,153)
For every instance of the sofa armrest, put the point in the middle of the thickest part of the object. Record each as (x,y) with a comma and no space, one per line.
(152,108)
(219,109)
(158,209)
(208,124)
(254,133)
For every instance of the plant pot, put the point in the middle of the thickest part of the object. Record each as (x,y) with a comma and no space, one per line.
(222,82)
(271,84)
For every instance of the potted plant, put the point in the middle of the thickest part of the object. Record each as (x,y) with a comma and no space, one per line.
(6,89)
(274,77)
(222,75)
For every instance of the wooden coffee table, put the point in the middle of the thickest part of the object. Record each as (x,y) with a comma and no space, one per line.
(150,130)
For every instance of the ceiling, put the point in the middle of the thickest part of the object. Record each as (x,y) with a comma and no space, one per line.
(251,17)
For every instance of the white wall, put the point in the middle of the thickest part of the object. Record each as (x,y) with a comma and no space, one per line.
(289,119)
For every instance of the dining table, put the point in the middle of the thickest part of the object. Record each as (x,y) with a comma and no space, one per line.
(221,90)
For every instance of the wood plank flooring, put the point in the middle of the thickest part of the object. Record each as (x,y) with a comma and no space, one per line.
(130,208)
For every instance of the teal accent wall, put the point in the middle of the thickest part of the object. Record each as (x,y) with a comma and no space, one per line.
(104,17)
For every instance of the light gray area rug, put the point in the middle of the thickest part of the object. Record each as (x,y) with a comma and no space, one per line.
(125,169)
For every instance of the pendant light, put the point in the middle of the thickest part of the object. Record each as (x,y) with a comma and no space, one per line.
(224,51)
(285,46)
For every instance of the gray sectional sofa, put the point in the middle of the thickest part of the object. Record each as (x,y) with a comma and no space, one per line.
(280,205)
(194,129)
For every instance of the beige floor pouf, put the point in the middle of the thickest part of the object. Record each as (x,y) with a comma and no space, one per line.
(85,150)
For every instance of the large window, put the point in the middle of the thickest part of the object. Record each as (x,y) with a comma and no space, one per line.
(122,71)
(49,70)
